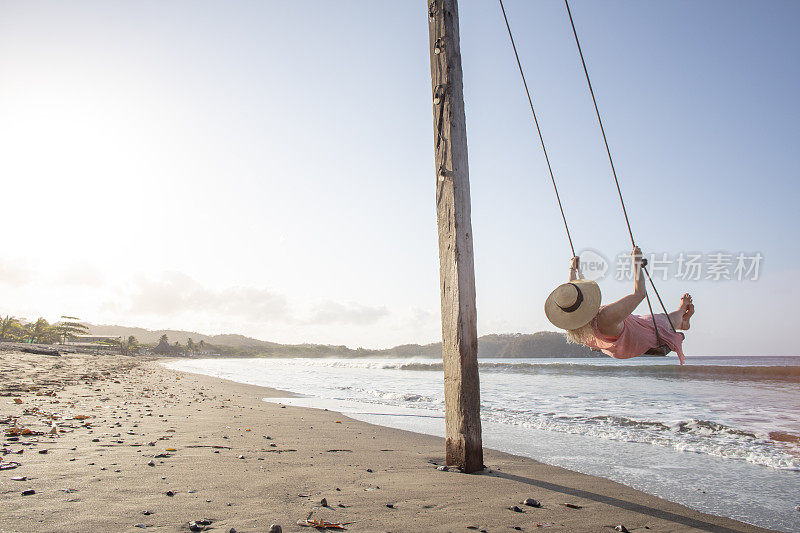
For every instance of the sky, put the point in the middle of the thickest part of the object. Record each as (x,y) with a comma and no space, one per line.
(267,168)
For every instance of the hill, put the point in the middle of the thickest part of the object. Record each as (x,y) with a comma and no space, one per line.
(509,345)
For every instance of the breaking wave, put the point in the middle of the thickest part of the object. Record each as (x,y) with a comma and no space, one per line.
(757,425)
(696,436)
(666,371)
(673,371)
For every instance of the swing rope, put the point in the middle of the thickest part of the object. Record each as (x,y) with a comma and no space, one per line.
(616,181)
(600,121)
(536,121)
(608,152)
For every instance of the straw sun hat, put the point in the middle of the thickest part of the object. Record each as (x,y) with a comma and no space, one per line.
(573,305)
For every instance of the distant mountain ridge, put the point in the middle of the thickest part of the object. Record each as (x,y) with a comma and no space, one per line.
(507,345)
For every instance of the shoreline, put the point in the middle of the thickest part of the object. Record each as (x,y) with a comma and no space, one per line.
(245,463)
(730,486)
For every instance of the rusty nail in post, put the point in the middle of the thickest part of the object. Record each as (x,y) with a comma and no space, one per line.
(439,93)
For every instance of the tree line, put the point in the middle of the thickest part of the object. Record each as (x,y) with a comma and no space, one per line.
(191,347)
(69,328)
(41,331)
(65,330)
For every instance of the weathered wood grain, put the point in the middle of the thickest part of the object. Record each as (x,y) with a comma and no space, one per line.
(456,269)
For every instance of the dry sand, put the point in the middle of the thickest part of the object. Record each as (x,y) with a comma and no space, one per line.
(242,463)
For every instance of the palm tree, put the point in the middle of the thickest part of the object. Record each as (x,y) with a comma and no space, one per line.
(9,326)
(68,327)
(39,331)
(129,346)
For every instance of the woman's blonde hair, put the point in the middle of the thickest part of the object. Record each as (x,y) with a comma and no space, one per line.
(581,334)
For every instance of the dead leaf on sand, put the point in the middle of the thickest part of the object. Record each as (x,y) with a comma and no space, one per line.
(15,431)
(322,524)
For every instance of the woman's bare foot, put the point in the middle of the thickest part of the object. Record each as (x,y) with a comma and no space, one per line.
(686,310)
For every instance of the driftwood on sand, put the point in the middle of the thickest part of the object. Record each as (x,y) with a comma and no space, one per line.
(40,351)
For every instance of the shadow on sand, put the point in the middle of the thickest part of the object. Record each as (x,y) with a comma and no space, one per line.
(622,504)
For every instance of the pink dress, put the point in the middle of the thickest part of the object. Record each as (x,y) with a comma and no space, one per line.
(638,335)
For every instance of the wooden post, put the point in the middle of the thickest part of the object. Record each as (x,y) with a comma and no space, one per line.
(456,270)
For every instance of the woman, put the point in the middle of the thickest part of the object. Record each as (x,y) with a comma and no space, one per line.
(612,329)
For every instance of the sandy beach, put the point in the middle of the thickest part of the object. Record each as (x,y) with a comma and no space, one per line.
(112,443)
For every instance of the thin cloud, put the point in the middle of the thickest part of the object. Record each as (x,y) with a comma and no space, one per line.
(351,314)
(176,293)
(81,275)
(423,317)
(14,273)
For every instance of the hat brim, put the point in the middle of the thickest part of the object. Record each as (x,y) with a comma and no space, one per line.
(580,317)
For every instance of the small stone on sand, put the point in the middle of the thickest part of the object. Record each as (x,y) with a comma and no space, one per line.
(199,525)
(28,492)
(621,528)
(275,528)
(530,502)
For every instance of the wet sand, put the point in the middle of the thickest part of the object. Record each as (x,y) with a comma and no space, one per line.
(123,444)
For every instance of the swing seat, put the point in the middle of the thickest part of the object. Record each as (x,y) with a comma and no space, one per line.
(662,350)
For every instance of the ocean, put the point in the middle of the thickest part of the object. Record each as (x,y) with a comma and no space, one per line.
(720,434)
